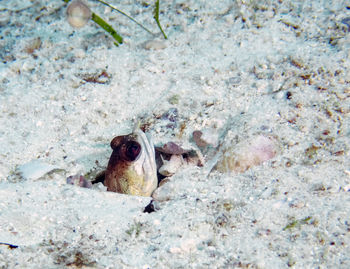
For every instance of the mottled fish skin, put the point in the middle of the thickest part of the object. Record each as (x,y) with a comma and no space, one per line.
(132,167)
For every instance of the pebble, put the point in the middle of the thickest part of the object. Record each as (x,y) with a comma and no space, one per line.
(78,14)
(154,45)
(165,192)
(240,157)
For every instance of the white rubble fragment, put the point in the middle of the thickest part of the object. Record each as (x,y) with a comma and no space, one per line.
(154,45)
(165,192)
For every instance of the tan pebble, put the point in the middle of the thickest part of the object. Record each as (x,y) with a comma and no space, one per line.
(165,192)
(154,45)
(78,14)
(240,157)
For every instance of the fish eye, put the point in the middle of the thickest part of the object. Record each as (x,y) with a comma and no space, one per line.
(132,150)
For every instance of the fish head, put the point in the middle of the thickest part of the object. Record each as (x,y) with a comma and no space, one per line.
(132,167)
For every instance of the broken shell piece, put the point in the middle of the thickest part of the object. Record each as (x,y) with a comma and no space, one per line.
(79,180)
(238,158)
(170,167)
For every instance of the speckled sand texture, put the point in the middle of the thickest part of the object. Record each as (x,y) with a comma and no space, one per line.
(238,68)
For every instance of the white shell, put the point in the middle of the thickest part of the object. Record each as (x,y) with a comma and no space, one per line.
(170,167)
(78,14)
(248,153)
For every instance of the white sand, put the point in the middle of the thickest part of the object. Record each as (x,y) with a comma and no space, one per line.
(228,65)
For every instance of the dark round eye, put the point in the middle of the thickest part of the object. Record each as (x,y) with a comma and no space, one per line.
(132,150)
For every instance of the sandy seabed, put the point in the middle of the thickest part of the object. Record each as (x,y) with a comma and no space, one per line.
(237,68)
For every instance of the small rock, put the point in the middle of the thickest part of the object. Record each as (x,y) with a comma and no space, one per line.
(240,157)
(78,14)
(165,192)
(154,45)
